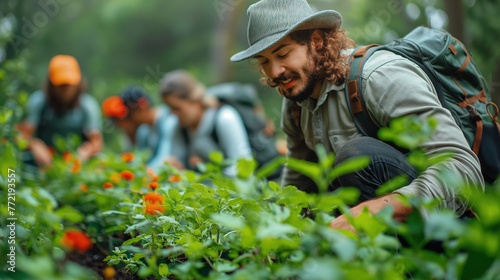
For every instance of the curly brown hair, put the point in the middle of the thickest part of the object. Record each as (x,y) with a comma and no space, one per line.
(328,60)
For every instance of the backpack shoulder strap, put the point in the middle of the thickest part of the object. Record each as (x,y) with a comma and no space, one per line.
(213,134)
(354,89)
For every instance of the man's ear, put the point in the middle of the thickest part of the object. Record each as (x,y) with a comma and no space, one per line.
(317,40)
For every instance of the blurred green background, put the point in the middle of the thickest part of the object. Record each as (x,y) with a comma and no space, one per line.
(123,42)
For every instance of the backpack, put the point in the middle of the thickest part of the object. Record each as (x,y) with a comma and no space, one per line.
(460,87)
(243,98)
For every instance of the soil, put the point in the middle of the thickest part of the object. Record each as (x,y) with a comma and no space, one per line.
(93,259)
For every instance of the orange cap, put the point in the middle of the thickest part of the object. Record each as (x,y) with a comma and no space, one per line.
(113,107)
(64,70)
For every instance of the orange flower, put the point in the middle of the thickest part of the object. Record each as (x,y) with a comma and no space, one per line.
(174,178)
(77,166)
(153,198)
(153,185)
(109,273)
(154,209)
(67,157)
(84,188)
(74,239)
(127,175)
(128,157)
(107,185)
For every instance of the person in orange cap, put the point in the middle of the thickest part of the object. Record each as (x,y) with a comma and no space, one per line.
(62,108)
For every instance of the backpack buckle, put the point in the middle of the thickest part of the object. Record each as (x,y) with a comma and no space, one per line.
(473,114)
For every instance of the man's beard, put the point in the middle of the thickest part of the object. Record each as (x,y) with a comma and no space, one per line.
(312,78)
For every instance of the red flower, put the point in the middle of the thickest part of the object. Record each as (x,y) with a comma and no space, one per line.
(127,175)
(153,198)
(107,185)
(154,209)
(128,157)
(74,239)
(153,185)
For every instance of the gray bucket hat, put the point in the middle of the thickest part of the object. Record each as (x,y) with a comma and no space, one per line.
(271,20)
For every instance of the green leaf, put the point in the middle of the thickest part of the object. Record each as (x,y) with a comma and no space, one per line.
(117,228)
(8,160)
(366,223)
(391,185)
(245,167)
(216,157)
(225,266)
(163,270)
(307,168)
(69,214)
(269,168)
(349,166)
(442,226)
(274,186)
(174,195)
(229,221)
(144,272)
(134,240)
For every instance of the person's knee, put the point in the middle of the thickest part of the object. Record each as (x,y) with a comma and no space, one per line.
(355,147)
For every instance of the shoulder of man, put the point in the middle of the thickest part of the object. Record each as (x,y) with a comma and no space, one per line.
(381,58)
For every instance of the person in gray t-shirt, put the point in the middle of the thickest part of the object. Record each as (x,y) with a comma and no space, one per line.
(199,118)
(62,109)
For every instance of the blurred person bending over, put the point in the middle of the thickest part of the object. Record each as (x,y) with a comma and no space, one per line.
(62,108)
(146,126)
(199,117)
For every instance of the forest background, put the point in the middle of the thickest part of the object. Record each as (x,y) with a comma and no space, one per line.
(124,42)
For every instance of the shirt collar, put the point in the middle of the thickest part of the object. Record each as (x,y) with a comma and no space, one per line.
(327,88)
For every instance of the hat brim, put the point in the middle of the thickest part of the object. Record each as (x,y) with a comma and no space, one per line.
(322,19)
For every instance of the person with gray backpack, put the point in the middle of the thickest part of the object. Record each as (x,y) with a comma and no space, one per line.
(332,89)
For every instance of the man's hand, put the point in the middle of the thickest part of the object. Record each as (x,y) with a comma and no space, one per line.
(91,147)
(401,211)
(41,152)
(174,162)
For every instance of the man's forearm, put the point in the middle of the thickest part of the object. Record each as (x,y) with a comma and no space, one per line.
(401,211)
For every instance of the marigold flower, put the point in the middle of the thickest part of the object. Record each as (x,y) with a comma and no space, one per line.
(74,239)
(128,157)
(154,209)
(174,178)
(77,166)
(153,198)
(67,157)
(153,185)
(109,273)
(84,188)
(107,185)
(127,175)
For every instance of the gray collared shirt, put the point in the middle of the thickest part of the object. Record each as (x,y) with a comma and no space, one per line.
(392,87)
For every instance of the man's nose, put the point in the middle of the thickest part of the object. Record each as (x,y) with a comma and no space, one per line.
(276,70)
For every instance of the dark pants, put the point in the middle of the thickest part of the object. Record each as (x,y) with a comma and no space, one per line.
(386,163)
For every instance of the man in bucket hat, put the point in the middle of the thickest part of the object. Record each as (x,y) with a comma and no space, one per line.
(304,55)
